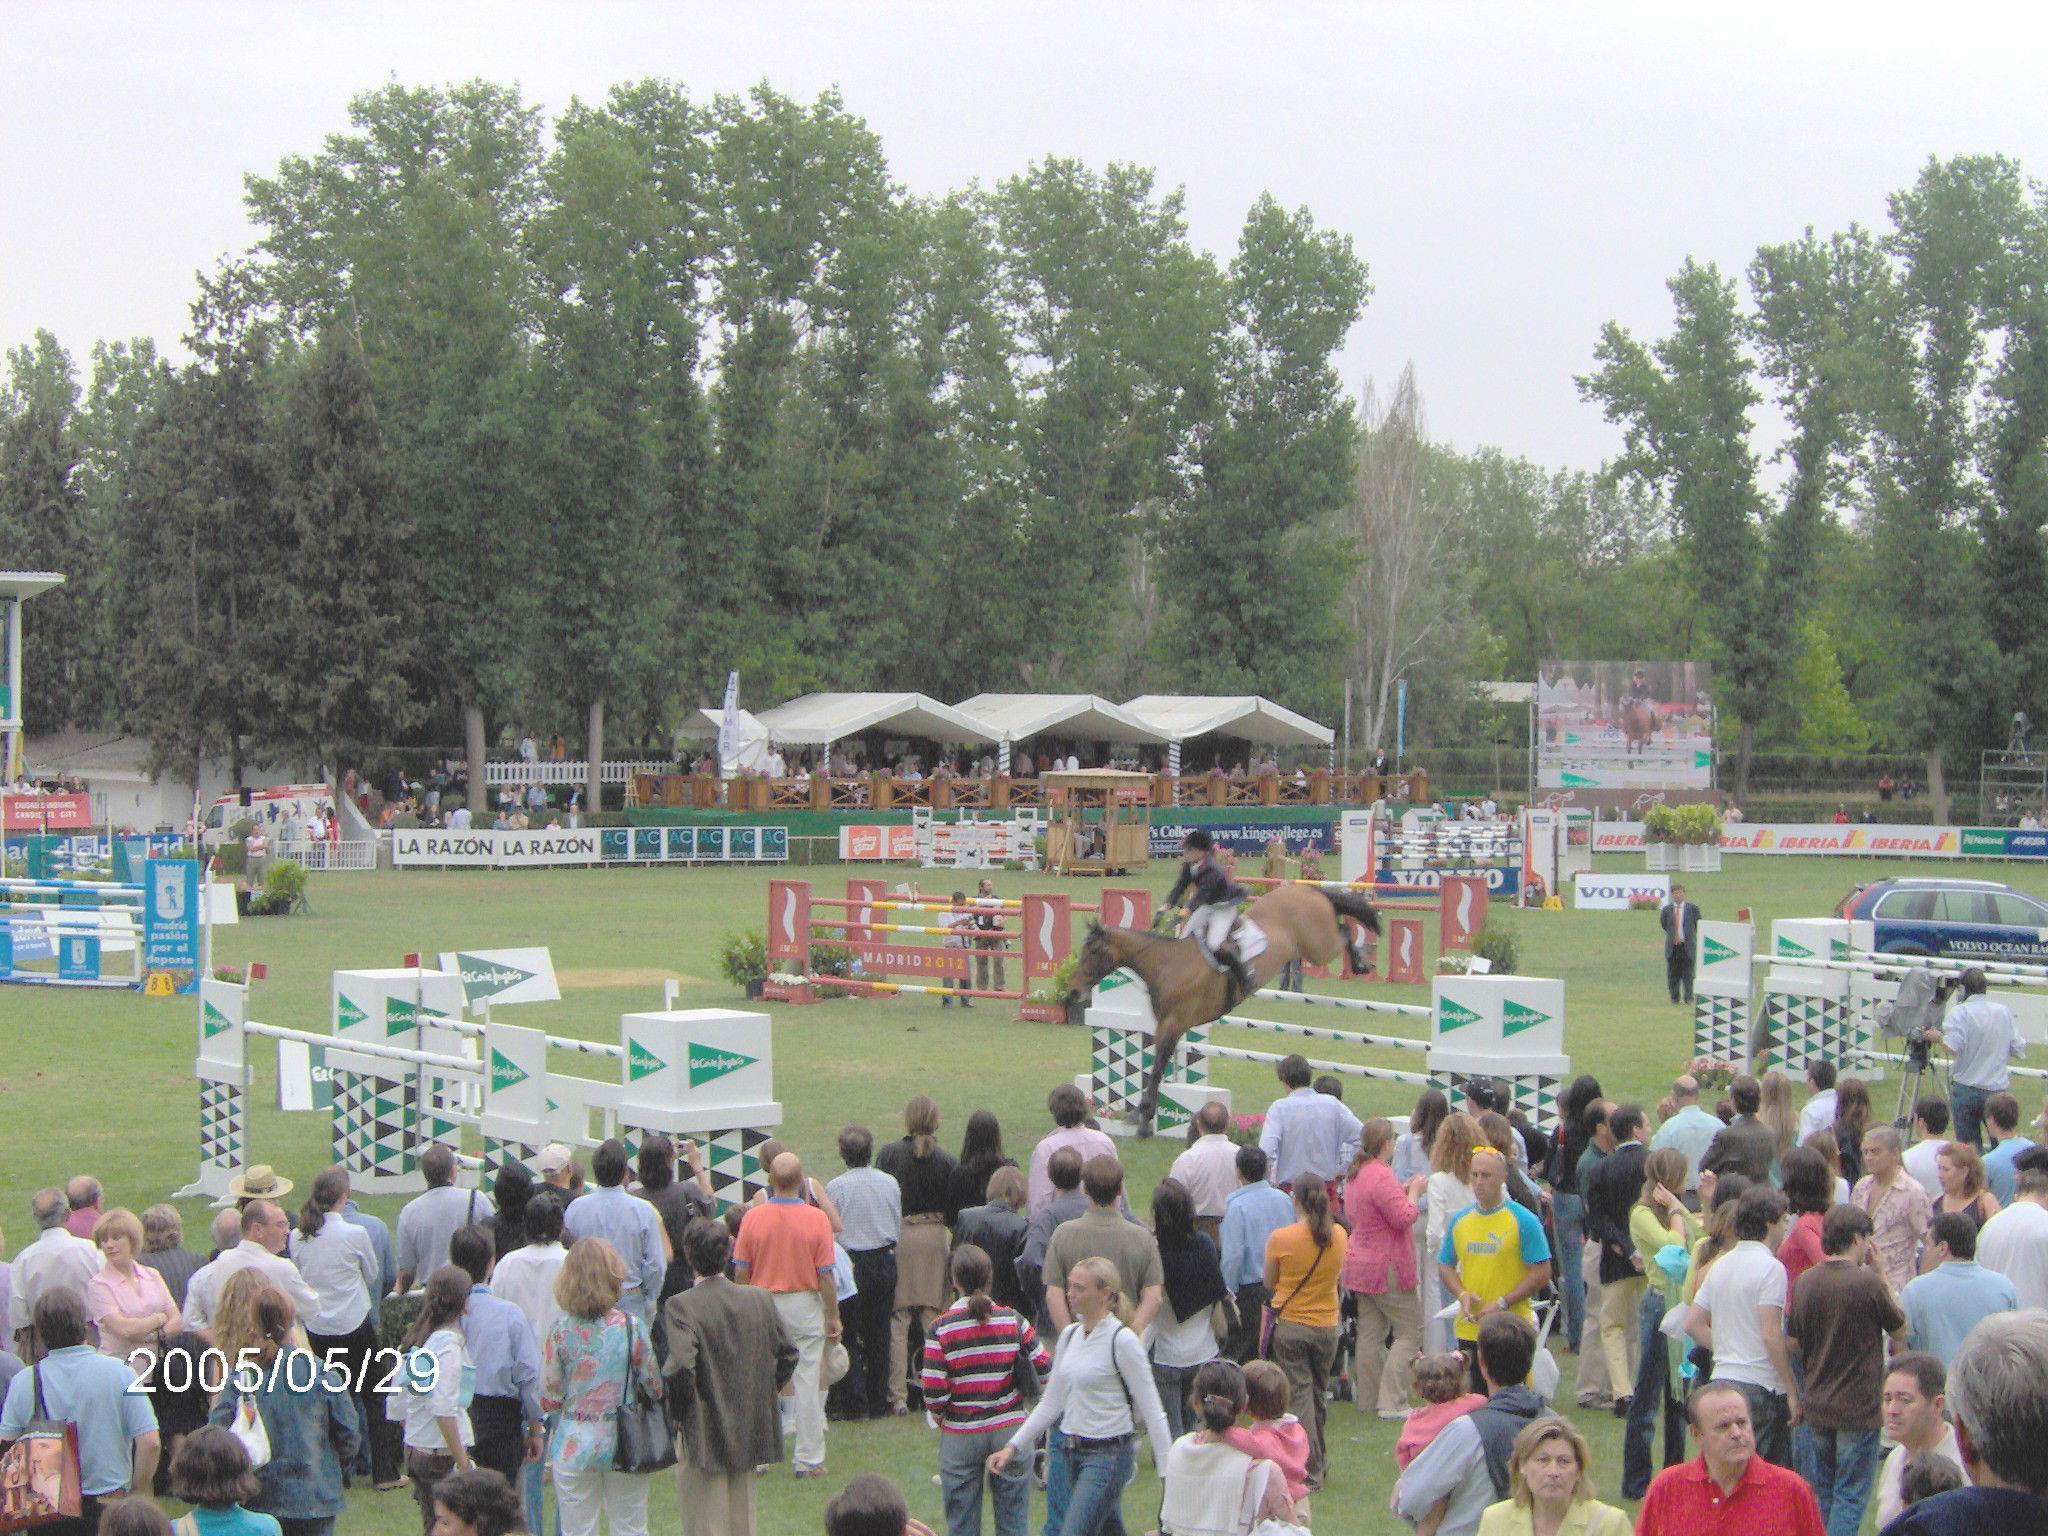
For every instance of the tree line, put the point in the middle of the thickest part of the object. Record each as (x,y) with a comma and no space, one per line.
(504,422)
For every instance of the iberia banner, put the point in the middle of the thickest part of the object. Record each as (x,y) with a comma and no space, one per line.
(1851,840)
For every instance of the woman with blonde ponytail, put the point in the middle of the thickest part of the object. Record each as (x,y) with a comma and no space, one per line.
(1101,1386)
(972,1360)
(1303,1264)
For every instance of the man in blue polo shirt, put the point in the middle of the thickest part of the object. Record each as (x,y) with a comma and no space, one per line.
(117,1436)
(1943,1305)
(1253,1213)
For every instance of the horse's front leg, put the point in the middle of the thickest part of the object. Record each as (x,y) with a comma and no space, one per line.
(1163,1049)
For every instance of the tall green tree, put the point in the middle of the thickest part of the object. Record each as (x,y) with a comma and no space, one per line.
(199,535)
(342,658)
(128,381)
(1251,565)
(1950,242)
(44,526)
(408,230)
(1119,327)
(617,261)
(1684,404)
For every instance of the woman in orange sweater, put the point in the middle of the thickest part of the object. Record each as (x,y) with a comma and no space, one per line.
(1304,1262)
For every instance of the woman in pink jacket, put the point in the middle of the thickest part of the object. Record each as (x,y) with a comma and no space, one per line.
(1380,1272)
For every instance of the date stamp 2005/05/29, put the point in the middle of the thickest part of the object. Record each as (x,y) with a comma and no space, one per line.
(297,1370)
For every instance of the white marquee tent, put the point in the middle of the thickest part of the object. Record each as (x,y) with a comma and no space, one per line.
(1077,716)
(1183,717)
(819,719)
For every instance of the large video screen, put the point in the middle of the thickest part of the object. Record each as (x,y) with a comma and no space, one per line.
(1625,725)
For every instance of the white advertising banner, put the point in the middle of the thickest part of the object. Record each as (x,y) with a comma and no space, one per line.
(1726,951)
(503,976)
(1499,1018)
(1852,840)
(498,850)
(1613,893)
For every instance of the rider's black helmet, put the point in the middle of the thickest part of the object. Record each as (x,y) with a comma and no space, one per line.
(1197,839)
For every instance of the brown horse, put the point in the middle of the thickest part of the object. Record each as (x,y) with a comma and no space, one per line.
(1300,922)
(1638,726)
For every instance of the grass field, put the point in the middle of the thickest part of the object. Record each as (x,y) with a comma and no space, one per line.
(101,1082)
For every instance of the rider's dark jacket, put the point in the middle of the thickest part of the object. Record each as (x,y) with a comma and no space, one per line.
(1210,882)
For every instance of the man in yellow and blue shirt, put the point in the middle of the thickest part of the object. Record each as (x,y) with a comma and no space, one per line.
(1494,1255)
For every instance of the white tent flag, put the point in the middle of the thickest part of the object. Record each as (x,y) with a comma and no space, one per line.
(729,728)
(503,976)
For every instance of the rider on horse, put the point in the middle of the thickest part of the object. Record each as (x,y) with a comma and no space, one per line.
(1212,905)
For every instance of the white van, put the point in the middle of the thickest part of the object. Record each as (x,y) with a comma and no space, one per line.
(268,808)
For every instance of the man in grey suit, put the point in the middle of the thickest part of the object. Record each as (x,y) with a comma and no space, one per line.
(729,1356)
(1680,921)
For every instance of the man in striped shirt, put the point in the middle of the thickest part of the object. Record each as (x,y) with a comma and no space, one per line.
(970,1393)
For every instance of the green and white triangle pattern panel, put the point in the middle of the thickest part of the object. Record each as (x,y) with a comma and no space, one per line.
(733,1163)
(223,1125)
(1122,1057)
(1535,1094)
(498,1152)
(1720,1027)
(1807,1029)
(376,1124)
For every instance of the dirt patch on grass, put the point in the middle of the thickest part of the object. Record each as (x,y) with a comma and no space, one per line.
(622,976)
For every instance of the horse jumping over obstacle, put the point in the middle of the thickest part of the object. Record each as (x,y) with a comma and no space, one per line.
(1300,923)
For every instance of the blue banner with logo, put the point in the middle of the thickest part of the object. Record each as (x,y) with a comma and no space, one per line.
(170,918)
(1245,836)
(78,957)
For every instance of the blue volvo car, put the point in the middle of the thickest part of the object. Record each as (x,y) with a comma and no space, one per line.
(1963,918)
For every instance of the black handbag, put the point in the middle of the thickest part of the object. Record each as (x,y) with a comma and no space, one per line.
(1023,1374)
(643,1442)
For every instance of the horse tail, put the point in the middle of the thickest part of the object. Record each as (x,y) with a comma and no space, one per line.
(1355,905)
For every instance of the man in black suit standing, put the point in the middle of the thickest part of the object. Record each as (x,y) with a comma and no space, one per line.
(1680,921)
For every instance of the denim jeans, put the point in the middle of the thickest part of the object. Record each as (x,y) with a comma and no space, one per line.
(1651,1400)
(1173,1382)
(1058,1483)
(1770,1418)
(1839,1466)
(1096,1476)
(1569,1212)
(962,1468)
(1967,1103)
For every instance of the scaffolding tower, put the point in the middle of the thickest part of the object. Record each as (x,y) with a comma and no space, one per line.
(2011,784)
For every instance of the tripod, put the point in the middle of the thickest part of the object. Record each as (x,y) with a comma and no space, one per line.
(1919,1066)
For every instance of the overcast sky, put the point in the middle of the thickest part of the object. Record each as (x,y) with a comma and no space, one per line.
(1514,174)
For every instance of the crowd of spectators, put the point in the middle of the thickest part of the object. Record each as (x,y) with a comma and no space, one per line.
(1797,1313)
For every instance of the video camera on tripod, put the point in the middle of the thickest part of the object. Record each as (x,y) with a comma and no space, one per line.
(1912,1017)
(1917,1011)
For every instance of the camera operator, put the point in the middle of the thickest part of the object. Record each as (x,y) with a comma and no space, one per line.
(1982,1040)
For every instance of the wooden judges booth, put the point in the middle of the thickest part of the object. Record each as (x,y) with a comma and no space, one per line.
(1101,821)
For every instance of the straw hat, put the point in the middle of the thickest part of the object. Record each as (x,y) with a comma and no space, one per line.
(259,1183)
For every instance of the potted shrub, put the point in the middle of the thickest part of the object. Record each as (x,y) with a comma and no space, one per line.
(743,958)
(1660,838)
(1047,1002)
(1699,838)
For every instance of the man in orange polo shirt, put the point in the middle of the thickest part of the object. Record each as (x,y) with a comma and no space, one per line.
(785,1248)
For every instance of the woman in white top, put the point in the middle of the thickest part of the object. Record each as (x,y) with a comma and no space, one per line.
(438,1380)
(1212,1487)
(1101,1384)
(1449,1191)
(338,1260)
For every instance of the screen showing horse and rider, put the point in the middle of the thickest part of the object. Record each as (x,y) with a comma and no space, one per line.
(1625,725)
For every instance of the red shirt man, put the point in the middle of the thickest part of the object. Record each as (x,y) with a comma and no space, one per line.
(1729,1490)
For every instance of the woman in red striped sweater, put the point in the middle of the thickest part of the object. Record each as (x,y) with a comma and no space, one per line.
(970,1393)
